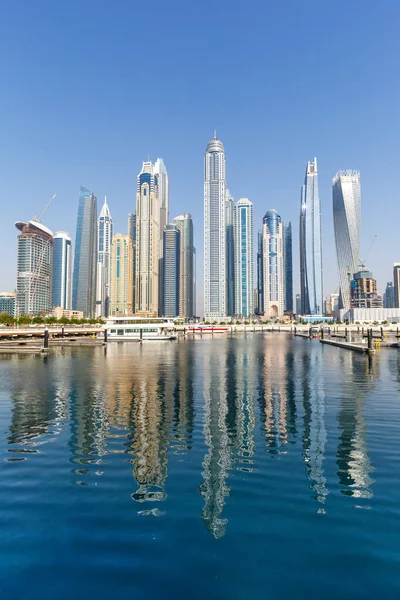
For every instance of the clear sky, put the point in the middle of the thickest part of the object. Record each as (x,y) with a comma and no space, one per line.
(91,88)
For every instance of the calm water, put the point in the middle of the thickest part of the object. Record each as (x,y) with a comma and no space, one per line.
(249,467)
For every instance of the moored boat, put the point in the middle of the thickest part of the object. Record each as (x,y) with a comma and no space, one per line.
(138,329)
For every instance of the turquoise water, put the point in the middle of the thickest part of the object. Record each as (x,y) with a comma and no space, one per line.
(263,466)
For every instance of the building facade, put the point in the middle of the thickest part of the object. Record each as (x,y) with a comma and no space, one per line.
(396,284)
(298,304)
(104,239)
(85,261)
(121,270)
(132,234)
(363,291)
(230,255)
(287,266)
(260,274)
(7,303)
(388,296)
(311,280)
(186,266)
(162,191)
(214,231)
(346,197)
(34,268)
(244,257)
(62,271)
(147,242)
(273,265)
(171,264)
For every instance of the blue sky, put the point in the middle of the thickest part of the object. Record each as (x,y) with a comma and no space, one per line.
(91,88)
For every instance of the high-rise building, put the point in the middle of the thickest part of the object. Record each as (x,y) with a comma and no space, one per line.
(230,255)
(244,257)
(121,270)
(147,242)
(273,265)
(132,234)
(214,231)
(62,271)
(260,274)
(85,262)
(346,221)
(388,296)
(171,263)
(186,262)
(34,268)
(331,304)
(287,266)
(298,304)
(396,284)
(162,191)
(363,291)
(104,239)
(311,282)
(194,284)
(7,303)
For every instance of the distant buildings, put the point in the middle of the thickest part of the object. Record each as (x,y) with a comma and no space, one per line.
(346,221)
(287,267)
(7,303)
(215,305)
(34,268)
(62,271)
(121,271)
(244,259)
(363,291)
(147,242)
(186,266)
(104,239)
(396,284)
(388,296)
(331,304)
(273,265)
(311,244)
(171,279)
(298,304)
(85,263)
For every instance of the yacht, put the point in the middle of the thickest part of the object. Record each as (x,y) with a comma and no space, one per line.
(137,329)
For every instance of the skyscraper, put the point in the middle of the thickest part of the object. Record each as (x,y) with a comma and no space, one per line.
(346,222)
(171,253)
(147,242)
(162,191)
(214,231)
(85,262)
(298,304)
(396,284)
(104,239)
(132,234)
(34,268)
(260,273)
(273,264)
(186,276)
(62,271)
(244,257)
(311,244)
(121,270)
(388,296)
(287,266)
(230,256)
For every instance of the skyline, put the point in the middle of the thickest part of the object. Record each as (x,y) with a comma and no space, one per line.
(280,118)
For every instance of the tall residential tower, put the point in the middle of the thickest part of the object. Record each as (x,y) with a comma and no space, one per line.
(62,271)
(104,239)
(244,257)
(273,265)
(186,266)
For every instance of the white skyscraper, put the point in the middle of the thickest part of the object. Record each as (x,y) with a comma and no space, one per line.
(161,175)
(244,257)
(104,239)
(346,221)
(214,231)
(273,266)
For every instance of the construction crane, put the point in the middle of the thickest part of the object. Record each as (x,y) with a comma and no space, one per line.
(39,220)
(362,261)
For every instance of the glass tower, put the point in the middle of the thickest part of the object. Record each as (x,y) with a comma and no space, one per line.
(396,284)
(104,239)
(171,253)
(85,262)
(311,244)
(214,231)
(273,265)
(62,271)
(346,221)
(230,256)
(388,296)
(186,275)
(260,275)
(288,266)
(34,268)
(244,259)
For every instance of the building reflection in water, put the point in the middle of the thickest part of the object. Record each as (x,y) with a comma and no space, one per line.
(353,463)
(314,433)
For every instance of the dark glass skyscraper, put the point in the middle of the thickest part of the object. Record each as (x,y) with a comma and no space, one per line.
(85,263)
(171,263)
(287,267)
(186,276)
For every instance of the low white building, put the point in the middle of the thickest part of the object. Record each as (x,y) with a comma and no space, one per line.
(369,315)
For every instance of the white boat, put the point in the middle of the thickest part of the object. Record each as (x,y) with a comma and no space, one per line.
(136,329)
